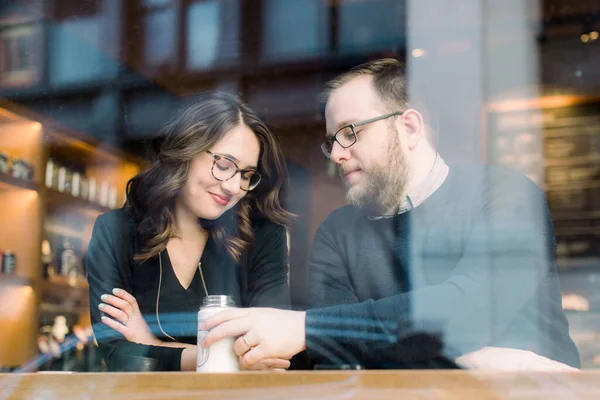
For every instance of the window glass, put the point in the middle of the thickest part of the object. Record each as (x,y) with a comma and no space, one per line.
(294,29)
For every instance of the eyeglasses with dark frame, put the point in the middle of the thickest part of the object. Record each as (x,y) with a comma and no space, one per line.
(346,135)
(227,169)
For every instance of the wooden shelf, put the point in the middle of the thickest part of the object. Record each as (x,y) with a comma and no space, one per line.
(10,182)
(51,308)
(65,200)
(64,141)
(29,208)
(16,280)
(67,282)
(63,231)
(578,264)
(62,289)
(63,295)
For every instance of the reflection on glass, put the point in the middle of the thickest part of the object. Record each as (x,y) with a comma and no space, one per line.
(538,58)
(371,25)
(16,11)
(76,51)
(19,43)
(203,38)
(294,29)
(19,49)
(155,3)
(159,38)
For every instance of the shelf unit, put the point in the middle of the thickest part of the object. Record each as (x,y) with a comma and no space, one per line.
(64,286)
(8,182)
(57,201)
(16,280)
(32,213)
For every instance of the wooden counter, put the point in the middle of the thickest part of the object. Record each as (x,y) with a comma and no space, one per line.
(447,385)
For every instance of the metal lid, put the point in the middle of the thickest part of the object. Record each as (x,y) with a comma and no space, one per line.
(218,301)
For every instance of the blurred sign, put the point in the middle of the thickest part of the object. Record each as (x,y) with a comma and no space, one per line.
(559,149)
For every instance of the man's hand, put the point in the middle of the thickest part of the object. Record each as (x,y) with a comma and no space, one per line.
(505,359)
(124,316)
(262,333)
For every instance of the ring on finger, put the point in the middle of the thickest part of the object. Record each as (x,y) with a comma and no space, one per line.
(124,322)
(250,347)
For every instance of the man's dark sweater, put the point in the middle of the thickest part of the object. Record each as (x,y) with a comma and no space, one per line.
(474,263)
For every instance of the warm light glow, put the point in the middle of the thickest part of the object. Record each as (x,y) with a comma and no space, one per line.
(20,299)
(575,302)
(585,38)
(9,116)
(36,126)
(418,53)
(27,290)
(22,198)
(555,101)
(594,35)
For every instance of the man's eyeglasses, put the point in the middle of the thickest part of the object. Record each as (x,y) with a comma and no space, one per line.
(346,136)
(223,169)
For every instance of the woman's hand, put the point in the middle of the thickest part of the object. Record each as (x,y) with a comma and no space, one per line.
(124,316)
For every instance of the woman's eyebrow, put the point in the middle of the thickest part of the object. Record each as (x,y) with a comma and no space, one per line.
(232,158)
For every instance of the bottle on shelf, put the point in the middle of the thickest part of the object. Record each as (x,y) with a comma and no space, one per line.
(60,328)
(61,179)
(50,179)
(47,268)
(112,197)
(21,169)
(103,194)
(3,163)
(68,180)
(67,258)
(84,188)
(76,184)
(9,262)
(74,272)
(92,189)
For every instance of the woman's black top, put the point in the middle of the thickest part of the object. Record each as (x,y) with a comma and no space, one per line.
(260,280)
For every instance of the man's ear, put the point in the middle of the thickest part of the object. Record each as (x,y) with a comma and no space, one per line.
(414,126)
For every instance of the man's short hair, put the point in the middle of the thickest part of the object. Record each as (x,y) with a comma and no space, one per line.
(389,80)
(390,83)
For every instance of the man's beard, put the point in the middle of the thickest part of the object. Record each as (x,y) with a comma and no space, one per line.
(382,189)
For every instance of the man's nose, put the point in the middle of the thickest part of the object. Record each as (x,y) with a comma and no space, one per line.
(339,154)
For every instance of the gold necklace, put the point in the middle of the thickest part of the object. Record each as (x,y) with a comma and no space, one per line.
(158,292)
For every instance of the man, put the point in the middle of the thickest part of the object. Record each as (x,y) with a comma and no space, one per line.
(427,262)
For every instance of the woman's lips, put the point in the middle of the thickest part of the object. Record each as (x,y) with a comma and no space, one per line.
(221,200)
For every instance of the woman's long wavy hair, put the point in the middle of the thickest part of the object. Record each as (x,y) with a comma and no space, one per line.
(199,125)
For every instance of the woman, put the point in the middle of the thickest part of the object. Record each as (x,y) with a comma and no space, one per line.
(205,219)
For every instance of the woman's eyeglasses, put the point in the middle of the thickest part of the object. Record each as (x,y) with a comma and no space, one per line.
(223,169)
